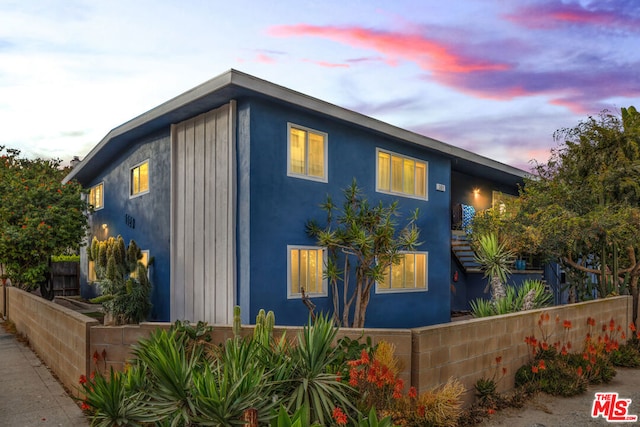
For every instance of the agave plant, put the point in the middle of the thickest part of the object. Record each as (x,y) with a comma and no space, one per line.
(495,258)
(171,372)
(313,383)
(113,403)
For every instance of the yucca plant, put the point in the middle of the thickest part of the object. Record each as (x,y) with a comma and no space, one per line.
(171,374)
(298,419)
(112,403)
(481,307)
(495,259)
(313,384)
(532,294)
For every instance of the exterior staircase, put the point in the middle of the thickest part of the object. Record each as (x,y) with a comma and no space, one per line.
(461,248)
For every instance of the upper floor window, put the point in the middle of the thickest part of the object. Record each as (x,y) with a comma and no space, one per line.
(401,175)
(96,196)
(307,153)
(305,267)
(139,179)
(410,274)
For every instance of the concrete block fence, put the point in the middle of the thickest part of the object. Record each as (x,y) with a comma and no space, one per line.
(72,344)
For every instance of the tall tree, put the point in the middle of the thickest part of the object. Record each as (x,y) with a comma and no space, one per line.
(583,206)
(364,236)
(39,216)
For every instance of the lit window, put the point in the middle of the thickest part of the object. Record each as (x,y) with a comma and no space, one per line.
(144,261)
(401,175)
(91,272)
(96,196)
(140,179)
(305,267)
(410,274)
(307,153)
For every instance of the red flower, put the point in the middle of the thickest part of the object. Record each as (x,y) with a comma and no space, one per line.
(541,365)
(564,351)
(364,357)
(579,371)
(544,346)
(612,324)
(591,321)
(397,394)
(546,317)
(491,411)
(422,410)
(534,369)
(84,406)
(413,393)
(339,416)
(83,379)
(96,356)
(498,359)
(567,324)
(632,327)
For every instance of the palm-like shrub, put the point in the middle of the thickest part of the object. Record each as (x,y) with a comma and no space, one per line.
(495,259)
(313,384)
(530,295)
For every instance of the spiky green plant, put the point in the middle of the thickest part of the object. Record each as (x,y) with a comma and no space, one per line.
(495,259)
(313,383)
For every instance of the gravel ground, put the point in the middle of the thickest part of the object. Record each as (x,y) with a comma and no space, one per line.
(550,411)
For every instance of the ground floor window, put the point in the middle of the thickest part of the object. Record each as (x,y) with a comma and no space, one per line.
(305,271)
(410,274)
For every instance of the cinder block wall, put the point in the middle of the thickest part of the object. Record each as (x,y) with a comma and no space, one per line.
(111,346)
(60,336)
(467,350)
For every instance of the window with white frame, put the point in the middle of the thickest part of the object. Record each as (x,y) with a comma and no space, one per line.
(96,196)
(306,153)
(410,274)
(402,175)
(139,183)
(305,271)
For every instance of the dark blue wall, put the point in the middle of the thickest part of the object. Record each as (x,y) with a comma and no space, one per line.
(281,205)
(149,211)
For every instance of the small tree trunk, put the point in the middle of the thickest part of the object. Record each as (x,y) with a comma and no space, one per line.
(497,288)
(634,293)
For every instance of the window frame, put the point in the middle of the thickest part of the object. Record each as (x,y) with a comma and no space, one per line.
(325,166)
(392,290)
(324,281)
(401,193)
(100,184)
(136,166)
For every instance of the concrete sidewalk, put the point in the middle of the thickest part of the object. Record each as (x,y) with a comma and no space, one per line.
(29,394)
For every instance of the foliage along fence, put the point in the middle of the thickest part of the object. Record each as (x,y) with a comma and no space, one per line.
(72,344)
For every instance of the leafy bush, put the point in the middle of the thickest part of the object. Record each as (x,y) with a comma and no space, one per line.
(531,294)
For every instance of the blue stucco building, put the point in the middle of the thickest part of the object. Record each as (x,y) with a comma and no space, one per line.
(216,185)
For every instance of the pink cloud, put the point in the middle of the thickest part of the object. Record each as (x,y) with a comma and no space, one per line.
(327,64)
(265,59)
(430,54)
(582,87)
(555,14)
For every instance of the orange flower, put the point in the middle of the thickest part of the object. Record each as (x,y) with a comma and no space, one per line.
(591,321)
(546,317)
(422,410)
(564,351)
(567,324)
(83,379)
(579,371)
(632,327)
(534,369)
(364,357)
(541,365)
(84,406)
(491,411)
(339,416)
(413,393)
(544,346)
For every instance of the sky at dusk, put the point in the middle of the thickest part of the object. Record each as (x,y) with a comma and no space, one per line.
(491,76)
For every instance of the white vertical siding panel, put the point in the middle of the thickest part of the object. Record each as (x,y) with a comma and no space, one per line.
(231,282)
(222,218)
(177,240)
(210,232)
(203,272)
(189,174)
(199,285)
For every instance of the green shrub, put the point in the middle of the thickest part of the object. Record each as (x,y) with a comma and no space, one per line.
(626,356)
(554,377)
